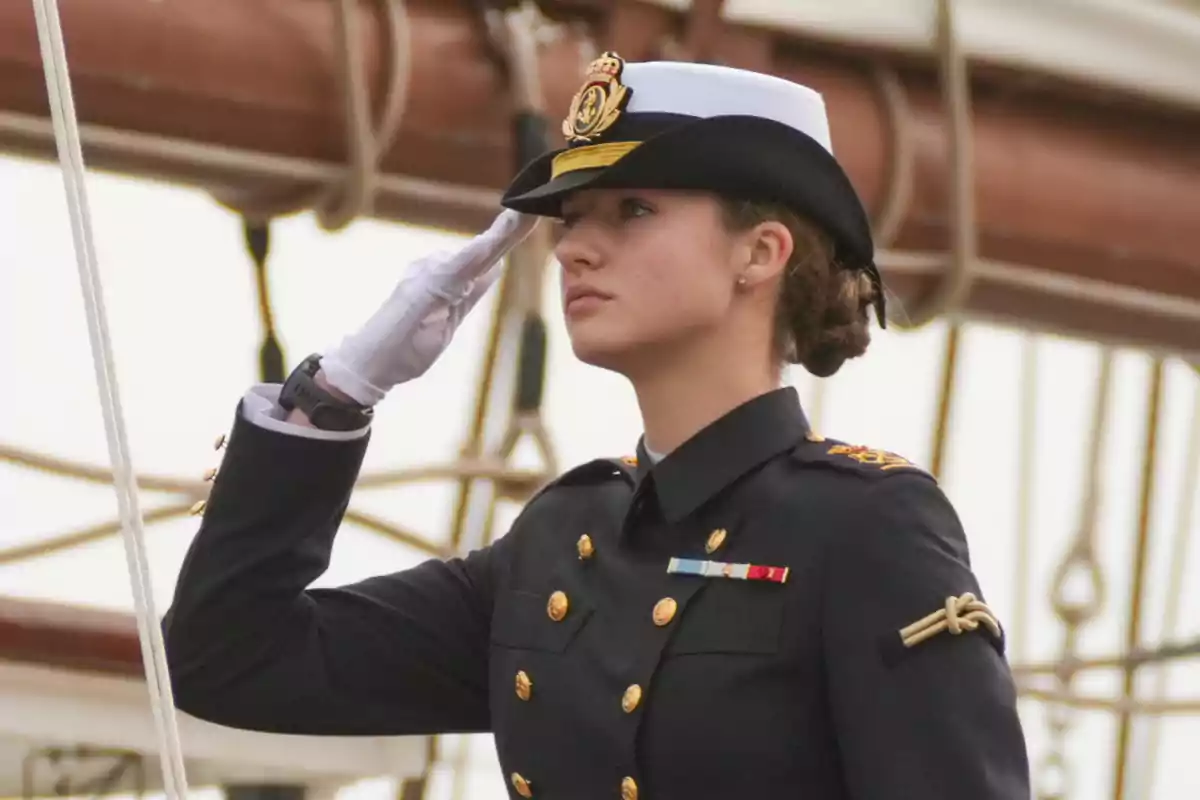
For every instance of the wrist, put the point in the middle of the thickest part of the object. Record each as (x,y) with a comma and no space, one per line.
(309,399)
(348,381)
(320,380)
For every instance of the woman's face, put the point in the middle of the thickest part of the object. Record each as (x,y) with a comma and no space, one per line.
(643,270)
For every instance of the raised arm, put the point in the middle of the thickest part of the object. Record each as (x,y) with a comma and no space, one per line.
(251,646)
(936,720)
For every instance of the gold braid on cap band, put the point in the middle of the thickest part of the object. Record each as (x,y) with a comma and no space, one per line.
(961,615)
(590,156)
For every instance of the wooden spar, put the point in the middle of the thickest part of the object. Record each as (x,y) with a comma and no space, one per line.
(1086,202)
(70,637)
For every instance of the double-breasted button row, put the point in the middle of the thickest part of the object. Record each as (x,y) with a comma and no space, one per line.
(524,787)
(631,699)
(557,607)
(559,604)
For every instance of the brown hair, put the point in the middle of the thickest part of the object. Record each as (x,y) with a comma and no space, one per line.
(821,319)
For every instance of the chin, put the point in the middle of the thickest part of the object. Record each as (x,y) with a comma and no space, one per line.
(596,355)
(597,350)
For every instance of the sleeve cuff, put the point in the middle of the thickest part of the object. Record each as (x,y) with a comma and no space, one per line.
(260,406)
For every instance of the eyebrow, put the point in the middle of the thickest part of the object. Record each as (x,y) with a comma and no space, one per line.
(577,207)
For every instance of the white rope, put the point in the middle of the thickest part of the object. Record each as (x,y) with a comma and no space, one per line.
(70,156)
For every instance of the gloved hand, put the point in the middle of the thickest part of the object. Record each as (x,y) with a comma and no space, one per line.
(416,323)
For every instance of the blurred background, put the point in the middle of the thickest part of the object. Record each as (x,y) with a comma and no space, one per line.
(261,173)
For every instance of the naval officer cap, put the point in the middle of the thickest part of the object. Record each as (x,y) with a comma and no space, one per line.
(701,127)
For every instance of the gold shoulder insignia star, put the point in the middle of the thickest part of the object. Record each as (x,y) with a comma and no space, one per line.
(960,615)
(629,461)
(878,458)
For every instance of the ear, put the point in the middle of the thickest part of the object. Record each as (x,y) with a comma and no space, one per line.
(767,248)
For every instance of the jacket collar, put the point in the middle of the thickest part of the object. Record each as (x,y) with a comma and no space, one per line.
(727,449)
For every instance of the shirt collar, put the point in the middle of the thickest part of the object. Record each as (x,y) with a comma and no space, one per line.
(724,451)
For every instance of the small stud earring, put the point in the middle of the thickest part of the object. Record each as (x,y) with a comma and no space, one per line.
(741,281)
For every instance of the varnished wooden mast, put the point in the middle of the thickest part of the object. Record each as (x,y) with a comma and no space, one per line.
(1086,204)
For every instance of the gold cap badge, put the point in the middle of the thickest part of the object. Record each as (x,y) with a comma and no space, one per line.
(599,102)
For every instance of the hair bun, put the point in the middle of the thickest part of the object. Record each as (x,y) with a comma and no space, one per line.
(822,318)
(844,330)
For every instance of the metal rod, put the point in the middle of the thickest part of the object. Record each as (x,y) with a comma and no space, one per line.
(485,386)
(93,474)
(89,535)
(1141,657)
(1180,554)
(1122,705)
(1133,632)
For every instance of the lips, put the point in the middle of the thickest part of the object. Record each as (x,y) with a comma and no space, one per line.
(575,293)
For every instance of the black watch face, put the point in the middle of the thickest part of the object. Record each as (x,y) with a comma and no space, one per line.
(332,418)
(322,409)
(324,417)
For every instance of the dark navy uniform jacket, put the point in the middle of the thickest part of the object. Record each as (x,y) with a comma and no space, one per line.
(601,673)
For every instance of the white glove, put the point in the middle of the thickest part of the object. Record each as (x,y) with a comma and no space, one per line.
(416,323)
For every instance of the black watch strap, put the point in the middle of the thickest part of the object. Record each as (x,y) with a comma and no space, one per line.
(322,408)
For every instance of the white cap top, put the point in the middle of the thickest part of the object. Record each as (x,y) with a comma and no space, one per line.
(706,90)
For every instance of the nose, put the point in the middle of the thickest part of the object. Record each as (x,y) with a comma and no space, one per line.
(577,250)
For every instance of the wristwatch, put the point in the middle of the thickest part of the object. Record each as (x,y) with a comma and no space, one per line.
(325,411)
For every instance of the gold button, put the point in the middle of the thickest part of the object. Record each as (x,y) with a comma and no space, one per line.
(585,547)
(628,789)
(557,607)
(524,685)
(219,443)
(631,698)
(210,474)
(813,436)
(521,785)
(664,611)
(715,540)
(198,508)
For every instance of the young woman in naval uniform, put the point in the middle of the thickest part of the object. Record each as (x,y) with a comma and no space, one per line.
(750,611)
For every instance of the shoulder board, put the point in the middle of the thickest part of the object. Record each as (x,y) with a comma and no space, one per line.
(599,470)
(818,451)
(594,473)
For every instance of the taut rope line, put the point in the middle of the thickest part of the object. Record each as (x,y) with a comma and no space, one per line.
(70,157)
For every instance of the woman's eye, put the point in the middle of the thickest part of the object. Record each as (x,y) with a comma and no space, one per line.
(632,208)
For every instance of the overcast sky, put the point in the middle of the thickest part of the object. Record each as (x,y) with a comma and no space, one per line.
(181,304)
